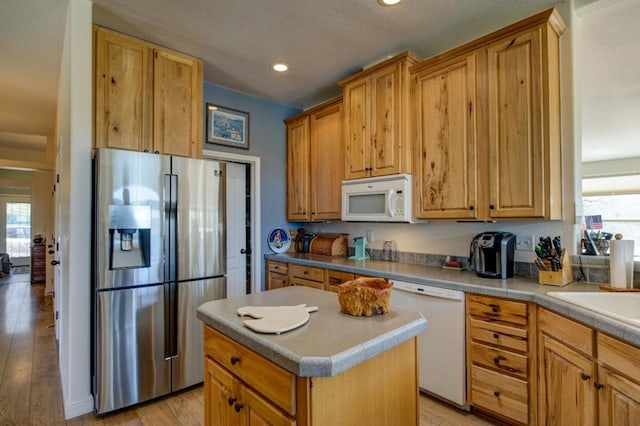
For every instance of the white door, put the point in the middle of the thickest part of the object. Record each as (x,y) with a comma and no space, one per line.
(236,230)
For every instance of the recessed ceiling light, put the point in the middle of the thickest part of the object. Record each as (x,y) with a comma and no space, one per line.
(280,66)
(388,2)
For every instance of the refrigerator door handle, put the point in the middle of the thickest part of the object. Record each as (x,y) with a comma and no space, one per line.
(171,226)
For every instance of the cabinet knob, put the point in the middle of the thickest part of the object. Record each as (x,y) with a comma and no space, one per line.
(598,385)
(498,359)
(495,308)
(585,376)
(492,207)
(471,207)
(235,360)
(238,407)
(231,400)
(496,394)
(306,272)
(496,335)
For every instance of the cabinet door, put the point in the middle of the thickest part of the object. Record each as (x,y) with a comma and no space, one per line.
(516,148)
(358,135)
(385,121)
(221,392)
(619,399)
(177,100)
(327,163)
(123,90)
(566,392)
(446,138)
(298,186)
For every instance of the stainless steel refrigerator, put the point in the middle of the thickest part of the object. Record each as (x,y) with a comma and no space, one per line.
(158,253)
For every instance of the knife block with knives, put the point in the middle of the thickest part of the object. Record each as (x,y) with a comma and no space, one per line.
(560,277)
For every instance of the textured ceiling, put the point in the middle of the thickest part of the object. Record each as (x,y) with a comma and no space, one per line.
(323,40)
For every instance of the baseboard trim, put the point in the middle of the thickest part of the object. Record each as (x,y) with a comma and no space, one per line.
(78,408)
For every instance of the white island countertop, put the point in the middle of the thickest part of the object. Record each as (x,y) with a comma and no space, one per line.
(328,344)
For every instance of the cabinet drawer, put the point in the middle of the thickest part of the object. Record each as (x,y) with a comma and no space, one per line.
(307,283)
(306,272)
(567,331)
(619,355)
(278,280)
(500,394)
(280,268)
(495,309)
(499,359)
(275,383)
(335,278)
(497,334)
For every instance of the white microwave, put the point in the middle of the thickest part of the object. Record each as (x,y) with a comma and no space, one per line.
(377,199)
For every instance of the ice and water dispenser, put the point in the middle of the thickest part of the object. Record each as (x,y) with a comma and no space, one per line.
(129,236)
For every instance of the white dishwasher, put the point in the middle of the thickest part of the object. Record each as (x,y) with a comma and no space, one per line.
(441,349)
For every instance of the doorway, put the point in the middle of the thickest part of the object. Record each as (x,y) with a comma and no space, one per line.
(243,222)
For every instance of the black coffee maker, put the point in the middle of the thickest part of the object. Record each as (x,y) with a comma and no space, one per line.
(492,254)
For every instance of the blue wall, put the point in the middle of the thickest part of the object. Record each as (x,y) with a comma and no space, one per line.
(267,140)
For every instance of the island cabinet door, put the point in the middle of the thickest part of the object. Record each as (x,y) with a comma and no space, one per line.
(222,393)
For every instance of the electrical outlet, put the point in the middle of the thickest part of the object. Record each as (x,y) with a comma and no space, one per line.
(525,242)
(370,235)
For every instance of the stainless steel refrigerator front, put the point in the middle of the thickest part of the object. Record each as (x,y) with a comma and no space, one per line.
(159,253)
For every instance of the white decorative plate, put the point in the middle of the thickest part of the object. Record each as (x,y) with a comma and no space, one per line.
(279,240)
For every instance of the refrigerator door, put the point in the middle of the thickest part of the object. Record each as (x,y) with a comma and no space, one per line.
(131,365)
(129,218)
(187,367)
(201,247)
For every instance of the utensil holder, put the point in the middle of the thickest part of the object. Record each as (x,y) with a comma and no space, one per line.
(558,278)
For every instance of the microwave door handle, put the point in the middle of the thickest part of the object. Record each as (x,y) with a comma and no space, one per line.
(391,201)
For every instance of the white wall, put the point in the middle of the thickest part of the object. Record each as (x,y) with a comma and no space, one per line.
(73,206)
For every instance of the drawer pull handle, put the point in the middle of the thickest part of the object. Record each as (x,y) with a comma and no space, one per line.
(496,394)
(238,407)
(598,385)
(234,360)
(231,400)
(585,376)
(495,308)
(498,359)
(496,336)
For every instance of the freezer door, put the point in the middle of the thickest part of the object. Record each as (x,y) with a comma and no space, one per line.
(201,247)
(129,218)
(187,368)
(130,347)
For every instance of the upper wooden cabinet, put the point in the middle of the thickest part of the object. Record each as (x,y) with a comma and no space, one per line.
(487,126)
(376,123)
(315,163)
(147,98)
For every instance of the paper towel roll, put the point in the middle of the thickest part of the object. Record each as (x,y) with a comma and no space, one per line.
(621,263)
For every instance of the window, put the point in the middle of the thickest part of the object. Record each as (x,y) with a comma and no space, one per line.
(18,229)
(620,214)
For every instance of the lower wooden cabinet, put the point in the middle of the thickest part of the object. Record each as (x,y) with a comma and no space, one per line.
(277,274)
(335,278)
(307,276)
(500,358)
(242,387)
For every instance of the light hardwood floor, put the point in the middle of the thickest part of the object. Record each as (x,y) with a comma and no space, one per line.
(30,392)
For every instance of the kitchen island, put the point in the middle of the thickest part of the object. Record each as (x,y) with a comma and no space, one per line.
(335,369)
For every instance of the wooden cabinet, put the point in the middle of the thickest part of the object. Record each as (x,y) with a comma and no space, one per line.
(376,102)
(487,126)
(307,276)
(567,371)
(618,382)
(147,98)
(500,358)
(277,274)
(315,163)
(446,115)
(241,387)
(38,260)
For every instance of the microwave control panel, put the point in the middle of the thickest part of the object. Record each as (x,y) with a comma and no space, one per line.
(398,204)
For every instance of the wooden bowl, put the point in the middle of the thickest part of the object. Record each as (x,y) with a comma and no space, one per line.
(365,296)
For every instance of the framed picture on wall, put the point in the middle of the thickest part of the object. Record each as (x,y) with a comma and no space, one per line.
(227,126)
